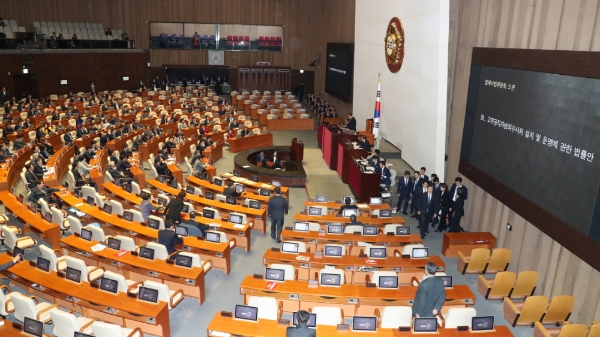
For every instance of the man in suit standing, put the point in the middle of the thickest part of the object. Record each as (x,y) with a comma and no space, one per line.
(168,238)
(4,95)
(453,193)
(262,158)
(431,294)
(416,191)
(444,206)
(351,124)
(276,161)
(301,329)
(277,208)
(230,191)
(423,175)
(428,209)
(405,187)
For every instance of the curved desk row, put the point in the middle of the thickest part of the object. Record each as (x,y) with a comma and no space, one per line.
(250,142)
(195,181)
(255,186)
(365,218)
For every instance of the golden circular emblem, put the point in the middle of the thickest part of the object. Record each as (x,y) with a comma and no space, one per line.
(394,45)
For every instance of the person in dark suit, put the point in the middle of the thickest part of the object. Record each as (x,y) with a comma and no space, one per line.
(19,143)
(245,132)
(301,329)
(168,238)
(230,191)
(458,209)
(351,124)
(385,175)
(453,193)
(353,221)
(347,205)
(405,187)
(30,176)
(423,175)
(234,124)
(276,210)
(276,161)
(262,158)
(436,185)
(4,96)
(364,144)
(38,168)
(428,209)
(6,281)
(445,201)
(43,192)
(430,295)
(414,194)
(173,209)
(112,169)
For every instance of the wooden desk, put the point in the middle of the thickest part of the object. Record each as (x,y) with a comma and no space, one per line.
(363,185)
(32,223)
(354,266)
(151,147)
(285,191)
(214,153)
(183,150)
(336,205)
(60,160)
(291,124)
(219,253)
(365,218)
(7,330)
(90,302)
(465,242)
(317,241)
(332,136)
(353,299)
(121,142)
(271,328)
(346,152)
(258,216)
(87,141)
(250,142)
(189,280)
(176,172)
(204,184)
(123,195)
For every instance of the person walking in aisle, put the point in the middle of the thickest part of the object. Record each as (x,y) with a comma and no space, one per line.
(277,208)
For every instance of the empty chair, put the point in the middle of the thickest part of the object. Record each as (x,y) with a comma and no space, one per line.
(594,330)
(567,330)
(353,228)
(525,313)
(65,324)
(268,307)
(135,188)
(11,240)
(127,243)
(394,316)
(217,215)
(97,233)
(88,273)
(88,191)
(57,262)
(31,307)
(172,297)
(161,221)
(391,228)
(6,305)
(75,224)
(498,288)
(458,317)
(137,215)
(289,272)
(101,329)
(498,261)
(331,316)
(559,309)
(117,207)
(525,285)
(123,285)
(196,262)
(475,264)
(160,251)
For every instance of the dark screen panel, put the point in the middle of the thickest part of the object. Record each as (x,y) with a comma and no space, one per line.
(340,70)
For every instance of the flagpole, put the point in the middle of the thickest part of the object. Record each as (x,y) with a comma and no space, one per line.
(377,113)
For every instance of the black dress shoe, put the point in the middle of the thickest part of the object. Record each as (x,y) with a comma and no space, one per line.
(427,232)
(278,241)
(422,237)
(404,213)
(419,226)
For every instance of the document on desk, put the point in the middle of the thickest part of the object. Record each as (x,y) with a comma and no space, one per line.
(98,248)
(238,226)
(220,334)
(362,206)
(246,166)
(265,185)
(302,258)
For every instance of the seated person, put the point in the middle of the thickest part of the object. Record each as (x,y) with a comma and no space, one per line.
(79,179)
(112,170)
(364,144)
(168,238)
(261,159)
(385,175)
(161,167)
(230,191)
(31,177)
(347,205)
(146,206)
(43,192)
(245,132)
(38,168)
(353,221)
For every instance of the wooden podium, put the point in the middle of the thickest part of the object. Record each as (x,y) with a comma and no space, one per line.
(297,151)
(345,153)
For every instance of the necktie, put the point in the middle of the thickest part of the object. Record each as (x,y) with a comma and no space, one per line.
(405,181)
(428,198)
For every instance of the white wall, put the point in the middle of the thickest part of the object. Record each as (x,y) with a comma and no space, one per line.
(413,100)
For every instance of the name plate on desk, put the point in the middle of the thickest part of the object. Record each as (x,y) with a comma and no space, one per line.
(318,255)
(275,249)
(462,328)
(283,322)
(343,327)
(152,273)
(468,301)
(257,276)
(404,329)
(383,244)
(313,283)
(350,268)
(396,269)
(368,269)
(312,241)
(190,282)
(288,228)
(371,285)
(294,297)
(304,265)
(219,254)
(352,301)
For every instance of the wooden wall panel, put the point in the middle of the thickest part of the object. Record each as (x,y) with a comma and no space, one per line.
(531,24)
(308,26)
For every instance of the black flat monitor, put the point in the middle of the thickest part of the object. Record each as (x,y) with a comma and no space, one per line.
(290,247)
(333,280)
(76,193)
(364,323)
(312,320)
(273,274)
(237,219)
(209,195)
(146,253)
(231,200)
(81,334)
(113,243)
(19,251)
(320,198)
(208,213)
(254,204)
(385,213)
(154,224)
(447,280)
(128,216)
(370,230)
(335,229)
(264,192)
(185,208)
(48,217)
(236,173)
(33,207)
(32,327)
(148,295)
(388,282)
(128,188)
(255,178)
(73,274)
(352,200)
(483,323)
(163,201)
(218,181)
(349,212)
(190,190)
(183,261)
(314,211)
(402,230)
(160,179)
(181,230)
(213,237)
(334,251)
(377,252)
(43,264)
(109,285)
(90,201)
(202,175)
(420,253)
(240,188)
(376,201)
(173,184)
(107,209)
(86,234)
(425,324)
(301,226)
(246,313)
